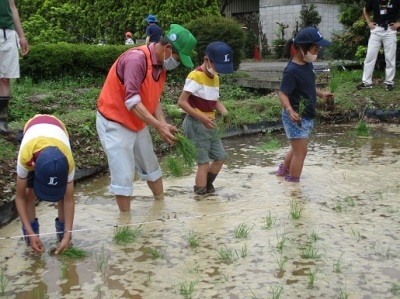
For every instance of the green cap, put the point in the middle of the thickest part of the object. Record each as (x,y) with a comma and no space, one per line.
(183,42)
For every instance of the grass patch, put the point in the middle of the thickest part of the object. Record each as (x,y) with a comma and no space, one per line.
(193,239)
(296,209)
(362,128)
(186,289)
(156,253)
(242,231)
(270,145)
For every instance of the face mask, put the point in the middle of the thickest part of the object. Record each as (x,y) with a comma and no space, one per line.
(211,71)
(170,63)
(309,57)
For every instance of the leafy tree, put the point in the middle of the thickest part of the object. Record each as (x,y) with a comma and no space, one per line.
(309,16)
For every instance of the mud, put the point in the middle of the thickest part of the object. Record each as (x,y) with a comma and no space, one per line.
(347,234)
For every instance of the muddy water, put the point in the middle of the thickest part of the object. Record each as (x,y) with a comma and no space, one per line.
(346,241)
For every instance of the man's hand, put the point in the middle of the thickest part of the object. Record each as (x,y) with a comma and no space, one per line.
(36,244)
(166,132)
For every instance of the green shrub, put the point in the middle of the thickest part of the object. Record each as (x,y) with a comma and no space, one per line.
(213,28)
(55,61)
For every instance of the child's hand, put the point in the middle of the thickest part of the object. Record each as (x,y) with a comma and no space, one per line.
(64,243)
(208,122)
(36,244)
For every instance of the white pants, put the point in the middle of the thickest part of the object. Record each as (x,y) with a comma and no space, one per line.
(127,150)
(387,38)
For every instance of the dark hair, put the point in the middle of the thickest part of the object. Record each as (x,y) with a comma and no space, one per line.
(291,45)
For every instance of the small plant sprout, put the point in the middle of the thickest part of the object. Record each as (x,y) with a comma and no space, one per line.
(269,221)
(63,270)
(395,289)
(296,209)
(281,242)
(193,239)
(271,145)
(3,282)
(362,128)
(350,201)
(356,233)
(156,253)
(337,265)
(312,274)
(309,251)
(244,251)
(102,260)
(277,291)
(39,294)
(186,289)
(313,237)
(392,210)
(281,262)
(242,231)
(343,294)
(338,207)
(226,254)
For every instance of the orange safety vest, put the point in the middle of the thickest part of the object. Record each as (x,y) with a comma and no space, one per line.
(111,103)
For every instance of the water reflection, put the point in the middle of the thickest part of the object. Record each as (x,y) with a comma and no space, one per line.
(348,191)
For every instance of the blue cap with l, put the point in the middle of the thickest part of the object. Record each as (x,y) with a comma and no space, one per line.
(221,55)
(51,174)
(310,35)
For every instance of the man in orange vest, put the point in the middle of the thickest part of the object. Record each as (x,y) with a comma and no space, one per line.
(129,100)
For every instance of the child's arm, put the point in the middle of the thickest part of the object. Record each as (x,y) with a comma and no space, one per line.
(221,108)
(69,212)
(184,104)
(20,202)
(324,94)
(294,116)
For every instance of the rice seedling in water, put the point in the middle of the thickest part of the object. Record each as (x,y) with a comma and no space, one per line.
(156,253)
(392,210)
(102,260)
(356,233)
(126,234)
(281,242)
(350,201)
(277,291)
(395,289)
(226,254)
(63,270)
(281,262)
(343,294)
(362,128)
(296,209)
(38,293)
(186,149)
(244,251)
(3,282)
(186,289)
(309,251)
(337,265)
(193,239)
(311,277)
(242,231)
(313,237)
(74,253)
(269,221)
(338,207)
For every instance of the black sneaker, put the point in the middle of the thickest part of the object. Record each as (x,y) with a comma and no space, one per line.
(389,87)
(363,85)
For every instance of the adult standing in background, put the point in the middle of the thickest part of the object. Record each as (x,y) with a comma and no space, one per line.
(11,36)
(383,31)
(153,32)
(129,101)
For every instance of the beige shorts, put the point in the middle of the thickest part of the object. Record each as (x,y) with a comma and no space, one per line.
(9,54)
(126,151)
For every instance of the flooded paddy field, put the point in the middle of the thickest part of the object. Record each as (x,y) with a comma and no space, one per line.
(336,234)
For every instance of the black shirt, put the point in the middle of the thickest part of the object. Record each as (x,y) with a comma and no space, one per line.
(377,6)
